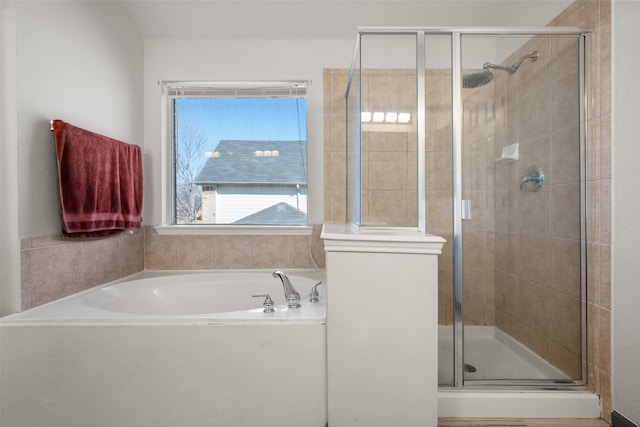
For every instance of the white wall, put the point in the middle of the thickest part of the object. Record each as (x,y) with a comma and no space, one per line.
(76,61)
(9,240)
(626,210)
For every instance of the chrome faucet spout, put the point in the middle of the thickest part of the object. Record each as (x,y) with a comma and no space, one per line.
(293,297)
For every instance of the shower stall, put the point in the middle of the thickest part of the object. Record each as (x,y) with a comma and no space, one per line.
(478,136)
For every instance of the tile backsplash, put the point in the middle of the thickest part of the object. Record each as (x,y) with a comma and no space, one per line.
(52,268)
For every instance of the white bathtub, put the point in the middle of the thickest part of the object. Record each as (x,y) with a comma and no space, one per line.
(173,350)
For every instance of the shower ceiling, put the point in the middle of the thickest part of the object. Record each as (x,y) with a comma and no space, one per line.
(311,19)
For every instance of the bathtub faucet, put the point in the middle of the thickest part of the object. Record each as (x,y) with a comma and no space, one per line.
(293,297)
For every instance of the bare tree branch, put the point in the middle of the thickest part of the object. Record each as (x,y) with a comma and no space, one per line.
(190,158)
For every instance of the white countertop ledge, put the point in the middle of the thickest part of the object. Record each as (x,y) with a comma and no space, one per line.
(351,238)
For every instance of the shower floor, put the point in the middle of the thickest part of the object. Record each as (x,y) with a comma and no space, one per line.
(491,354)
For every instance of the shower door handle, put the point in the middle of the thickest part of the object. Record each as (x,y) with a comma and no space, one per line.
(466,209)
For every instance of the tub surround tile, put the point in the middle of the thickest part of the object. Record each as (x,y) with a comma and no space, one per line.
(300,251)
(132,253)
(51,272)
(233,252)
(53,267)
(270,252)
(159,251)
(101,261)
(195,252)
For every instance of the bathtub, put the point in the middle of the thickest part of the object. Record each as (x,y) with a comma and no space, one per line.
(169,349)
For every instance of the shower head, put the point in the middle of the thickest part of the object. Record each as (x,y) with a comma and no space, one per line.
(482,77)
(476,79)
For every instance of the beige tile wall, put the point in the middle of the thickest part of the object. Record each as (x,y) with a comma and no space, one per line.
(538,292)
(165,252)
(52,268)
(596,16)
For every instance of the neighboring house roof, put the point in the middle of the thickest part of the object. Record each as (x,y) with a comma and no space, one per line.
(280,213)
(255,162)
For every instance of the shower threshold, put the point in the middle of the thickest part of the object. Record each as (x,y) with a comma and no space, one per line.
(491,354)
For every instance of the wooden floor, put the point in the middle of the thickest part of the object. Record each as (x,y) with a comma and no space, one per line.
(530,422)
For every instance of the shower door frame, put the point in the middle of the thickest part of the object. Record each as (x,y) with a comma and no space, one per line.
(456,34)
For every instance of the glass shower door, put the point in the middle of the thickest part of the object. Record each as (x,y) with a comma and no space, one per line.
(522,219)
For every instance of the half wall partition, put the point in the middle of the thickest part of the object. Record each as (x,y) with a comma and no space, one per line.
(478,135)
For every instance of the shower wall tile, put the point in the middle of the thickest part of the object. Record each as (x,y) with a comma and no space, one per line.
(474,314)
(603,129)
(604,351)
(604,382)
(565,89)
(534,303)
(534,213)
(506,292)
(596,16)
(336,129)
(533,339)
(336,170)
(565,266)
(593,334)
(473,249)
(387,171)
(506,323)
(565,198)
(565,360)
(564,163)
(565,318)
(593,211)
(605,211)
(534,258)
(387,208)
(604,282)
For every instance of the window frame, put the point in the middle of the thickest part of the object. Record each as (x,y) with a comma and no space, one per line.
(169,92)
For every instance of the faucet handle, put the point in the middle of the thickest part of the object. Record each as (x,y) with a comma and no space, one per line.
(268,302)
(313,295)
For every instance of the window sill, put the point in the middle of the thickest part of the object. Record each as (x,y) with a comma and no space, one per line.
(235,230)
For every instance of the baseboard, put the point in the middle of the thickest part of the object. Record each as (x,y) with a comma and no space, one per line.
(618,420)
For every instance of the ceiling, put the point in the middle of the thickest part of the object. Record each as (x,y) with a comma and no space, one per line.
(278,19)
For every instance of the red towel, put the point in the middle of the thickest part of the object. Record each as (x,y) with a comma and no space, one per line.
(100,182)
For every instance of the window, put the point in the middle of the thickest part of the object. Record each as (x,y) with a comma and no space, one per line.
(239,153)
